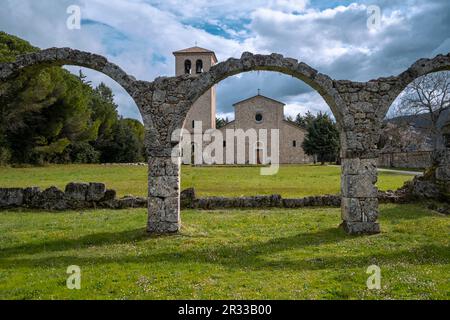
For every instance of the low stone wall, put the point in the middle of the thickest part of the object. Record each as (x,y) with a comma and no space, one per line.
(190,201)
(75,196)
(95,195)
(417,160)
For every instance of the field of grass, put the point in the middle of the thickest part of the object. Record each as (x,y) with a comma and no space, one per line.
(257,254)
(291,181)
(227,254)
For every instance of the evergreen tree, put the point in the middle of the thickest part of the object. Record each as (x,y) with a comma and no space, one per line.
(322,140)
(304,121)
(124,147)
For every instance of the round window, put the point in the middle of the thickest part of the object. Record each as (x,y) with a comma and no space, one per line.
(259,117)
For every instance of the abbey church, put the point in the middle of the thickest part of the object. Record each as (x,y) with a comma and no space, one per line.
(257,112)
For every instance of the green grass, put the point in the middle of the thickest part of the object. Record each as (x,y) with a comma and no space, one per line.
(291,181)
(257,254)
(235,254)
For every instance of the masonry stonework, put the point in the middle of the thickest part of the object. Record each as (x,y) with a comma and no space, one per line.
(290,136)
(359,109)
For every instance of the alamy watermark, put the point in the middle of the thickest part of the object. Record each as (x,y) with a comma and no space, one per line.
(74,280)
(374,280)
(238,146)
(374,17)
(73,22)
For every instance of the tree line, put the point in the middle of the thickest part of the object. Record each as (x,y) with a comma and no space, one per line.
(53,116)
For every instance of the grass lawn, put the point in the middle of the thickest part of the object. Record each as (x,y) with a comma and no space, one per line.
(257,254)
(291,181)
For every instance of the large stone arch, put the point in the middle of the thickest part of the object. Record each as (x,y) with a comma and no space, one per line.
(175,97)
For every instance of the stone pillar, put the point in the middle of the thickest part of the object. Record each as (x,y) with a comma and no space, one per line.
(359,196)
(442,174)
(163,195)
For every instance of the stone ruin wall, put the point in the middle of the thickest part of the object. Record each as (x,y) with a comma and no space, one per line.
(359,109)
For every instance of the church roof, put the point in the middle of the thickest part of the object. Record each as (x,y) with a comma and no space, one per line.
(259,96)
(196,50)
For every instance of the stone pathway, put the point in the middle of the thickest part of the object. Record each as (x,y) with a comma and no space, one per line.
(414,173)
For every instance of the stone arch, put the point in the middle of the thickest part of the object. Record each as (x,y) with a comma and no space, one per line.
(66,56)
(322,83)
(418,69)
(177,95)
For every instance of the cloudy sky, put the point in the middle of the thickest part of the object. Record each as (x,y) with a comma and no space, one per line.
(331,36)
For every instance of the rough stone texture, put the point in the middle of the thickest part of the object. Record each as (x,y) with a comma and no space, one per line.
(360,227)
(357,210)
(164,215)
(76,191)
(95,191)
(414,159)
(74,197)
(11,198)
(241,202)
(359,108)
(187,198)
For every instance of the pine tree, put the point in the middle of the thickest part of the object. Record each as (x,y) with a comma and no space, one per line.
(322,140)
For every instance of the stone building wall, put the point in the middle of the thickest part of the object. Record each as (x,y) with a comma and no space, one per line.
(290,154)
(416,160)
(272,113)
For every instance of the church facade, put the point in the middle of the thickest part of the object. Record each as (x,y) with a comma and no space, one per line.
(258,115)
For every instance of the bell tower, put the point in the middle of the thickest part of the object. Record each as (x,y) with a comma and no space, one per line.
(195,61)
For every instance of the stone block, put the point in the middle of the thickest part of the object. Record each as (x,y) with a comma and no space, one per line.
(360,228)
(187,198)
(164,209)
(163,166)
(29,194)
(131,202)
(443,173)
(356,166)
(76,191)
(164,186)
(351,210)
(51,199)
(163,215)
(109,195)
(358,186)
(96,191)
(12,197)
(369,209)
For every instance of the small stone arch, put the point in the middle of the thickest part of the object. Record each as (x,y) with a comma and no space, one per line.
(420,68)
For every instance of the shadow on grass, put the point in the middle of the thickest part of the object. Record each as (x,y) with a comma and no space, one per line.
(257,255)
(405,212)
(97,239)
